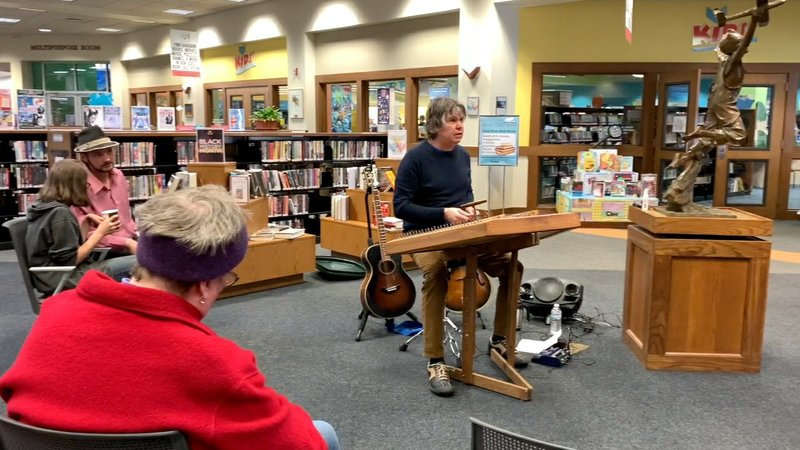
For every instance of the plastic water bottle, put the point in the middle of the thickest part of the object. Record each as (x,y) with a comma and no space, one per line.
(555,319)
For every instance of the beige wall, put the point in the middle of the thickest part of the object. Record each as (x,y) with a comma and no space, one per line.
(422,42)
(593,31)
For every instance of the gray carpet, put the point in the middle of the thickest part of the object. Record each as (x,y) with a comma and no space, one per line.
(377,397)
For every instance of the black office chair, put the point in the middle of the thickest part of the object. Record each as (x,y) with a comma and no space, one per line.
(19,436)
(490,437)
(16,229)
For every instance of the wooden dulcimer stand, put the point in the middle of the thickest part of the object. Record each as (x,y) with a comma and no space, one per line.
(506,234)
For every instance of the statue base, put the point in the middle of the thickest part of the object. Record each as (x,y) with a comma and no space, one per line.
(694,210)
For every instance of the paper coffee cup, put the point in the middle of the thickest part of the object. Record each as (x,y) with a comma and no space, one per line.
(110,212)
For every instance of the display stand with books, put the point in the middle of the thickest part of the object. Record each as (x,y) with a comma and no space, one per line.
(269,263)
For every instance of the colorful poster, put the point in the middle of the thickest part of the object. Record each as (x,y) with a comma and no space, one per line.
(236,119)
(166,118)
(210,145)
(184,57)
(498,140)
(384,106)
(397,140)
(342,108)
(296,103)
(31,108)
(93,115)
(140,118)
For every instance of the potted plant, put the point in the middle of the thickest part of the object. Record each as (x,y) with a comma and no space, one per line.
(268,118)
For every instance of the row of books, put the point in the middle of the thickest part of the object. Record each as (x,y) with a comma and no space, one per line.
(5,178)
(135,154)
(29,150)
(24,200)
(186,151)
(30,176)
(339,206)
(277,231)
(356,149)
(348,177)
(288,205)
(247,184)
(292,151)
(141,187)
(281,180)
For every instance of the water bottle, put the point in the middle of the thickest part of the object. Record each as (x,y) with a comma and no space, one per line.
(555,319)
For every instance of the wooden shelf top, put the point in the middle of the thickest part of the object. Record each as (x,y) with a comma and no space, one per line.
(741,223)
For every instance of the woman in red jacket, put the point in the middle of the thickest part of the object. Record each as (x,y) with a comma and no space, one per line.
(118,358)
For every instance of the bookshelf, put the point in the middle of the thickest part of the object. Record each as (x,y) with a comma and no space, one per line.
(23,169)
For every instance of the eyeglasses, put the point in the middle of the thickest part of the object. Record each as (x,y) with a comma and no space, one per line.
(229,279)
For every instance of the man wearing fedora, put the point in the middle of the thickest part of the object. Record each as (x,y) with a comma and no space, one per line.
(108,189)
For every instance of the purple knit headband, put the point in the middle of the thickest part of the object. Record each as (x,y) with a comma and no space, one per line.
(169,258)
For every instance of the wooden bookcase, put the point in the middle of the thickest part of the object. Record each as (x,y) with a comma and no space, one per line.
(348,238)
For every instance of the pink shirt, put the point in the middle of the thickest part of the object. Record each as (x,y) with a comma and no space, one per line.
(102,197)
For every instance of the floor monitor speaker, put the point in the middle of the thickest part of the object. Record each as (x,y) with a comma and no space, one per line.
(539,295)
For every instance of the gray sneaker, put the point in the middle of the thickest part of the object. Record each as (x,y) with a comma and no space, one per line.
(502,348)
(439,380)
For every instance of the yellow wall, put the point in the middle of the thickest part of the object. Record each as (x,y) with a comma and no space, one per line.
(594,31)
(270,56)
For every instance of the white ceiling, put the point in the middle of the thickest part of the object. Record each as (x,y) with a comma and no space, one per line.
(86,16)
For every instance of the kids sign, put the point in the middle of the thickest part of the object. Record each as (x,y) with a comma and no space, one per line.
(244,61)
(705,37)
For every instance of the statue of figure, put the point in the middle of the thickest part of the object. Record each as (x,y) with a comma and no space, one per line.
(723,124)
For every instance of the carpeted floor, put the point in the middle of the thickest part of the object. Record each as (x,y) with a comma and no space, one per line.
(377,397)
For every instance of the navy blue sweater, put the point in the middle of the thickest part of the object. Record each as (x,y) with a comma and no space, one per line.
(429,180)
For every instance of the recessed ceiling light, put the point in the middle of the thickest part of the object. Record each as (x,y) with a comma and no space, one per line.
(45,30)
(31,9)
(110,30)
(237,1)
(637,75)
(60,71)
(142,21)
(8,20)
(180,12)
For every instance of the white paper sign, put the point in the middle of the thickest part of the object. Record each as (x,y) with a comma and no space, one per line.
(184,57)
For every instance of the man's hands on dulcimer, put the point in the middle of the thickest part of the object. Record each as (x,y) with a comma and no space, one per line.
(463,214)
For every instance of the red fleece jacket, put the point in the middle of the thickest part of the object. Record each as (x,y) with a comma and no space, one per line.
(114,358)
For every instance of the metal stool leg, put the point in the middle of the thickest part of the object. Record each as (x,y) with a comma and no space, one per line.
(404,347)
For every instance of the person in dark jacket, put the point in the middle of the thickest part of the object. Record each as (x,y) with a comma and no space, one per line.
(433,180)
(54,237)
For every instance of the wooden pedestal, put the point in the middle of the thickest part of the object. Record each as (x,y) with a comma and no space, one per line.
(272,264)
(696,291)
(212,173)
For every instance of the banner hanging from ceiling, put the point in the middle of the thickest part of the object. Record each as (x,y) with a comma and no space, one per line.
(184,56)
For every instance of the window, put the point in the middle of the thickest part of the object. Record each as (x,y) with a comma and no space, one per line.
(387,105)
(591,108)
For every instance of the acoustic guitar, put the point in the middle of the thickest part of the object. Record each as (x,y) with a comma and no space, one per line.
(455,289)
(386,291)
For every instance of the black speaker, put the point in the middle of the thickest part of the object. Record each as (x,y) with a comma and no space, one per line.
(538,296)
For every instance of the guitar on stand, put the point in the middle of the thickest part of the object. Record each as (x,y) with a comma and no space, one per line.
(386,291)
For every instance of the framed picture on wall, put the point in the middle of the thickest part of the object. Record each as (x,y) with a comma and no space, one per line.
(295,103)
(473,106)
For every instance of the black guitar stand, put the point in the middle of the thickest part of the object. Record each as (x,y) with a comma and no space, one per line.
(364,315)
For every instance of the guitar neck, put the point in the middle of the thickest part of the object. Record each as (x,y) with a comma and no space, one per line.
(376,206)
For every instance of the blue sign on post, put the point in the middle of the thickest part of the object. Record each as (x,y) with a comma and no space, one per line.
(498,143)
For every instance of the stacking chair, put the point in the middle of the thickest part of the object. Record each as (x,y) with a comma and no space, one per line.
(19,436)
(16,229)
(489,437)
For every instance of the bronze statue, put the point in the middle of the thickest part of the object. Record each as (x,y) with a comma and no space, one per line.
(723,124)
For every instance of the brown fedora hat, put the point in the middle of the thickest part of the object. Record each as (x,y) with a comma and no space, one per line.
(93,138)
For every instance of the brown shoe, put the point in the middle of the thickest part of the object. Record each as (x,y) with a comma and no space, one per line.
(502,347)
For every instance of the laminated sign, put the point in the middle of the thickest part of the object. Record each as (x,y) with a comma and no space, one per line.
(184,56)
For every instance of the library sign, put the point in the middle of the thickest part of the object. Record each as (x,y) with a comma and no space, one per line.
(705,38)
(67,47)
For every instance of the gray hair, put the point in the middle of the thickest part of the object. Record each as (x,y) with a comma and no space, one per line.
(439,110)
(203,219)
